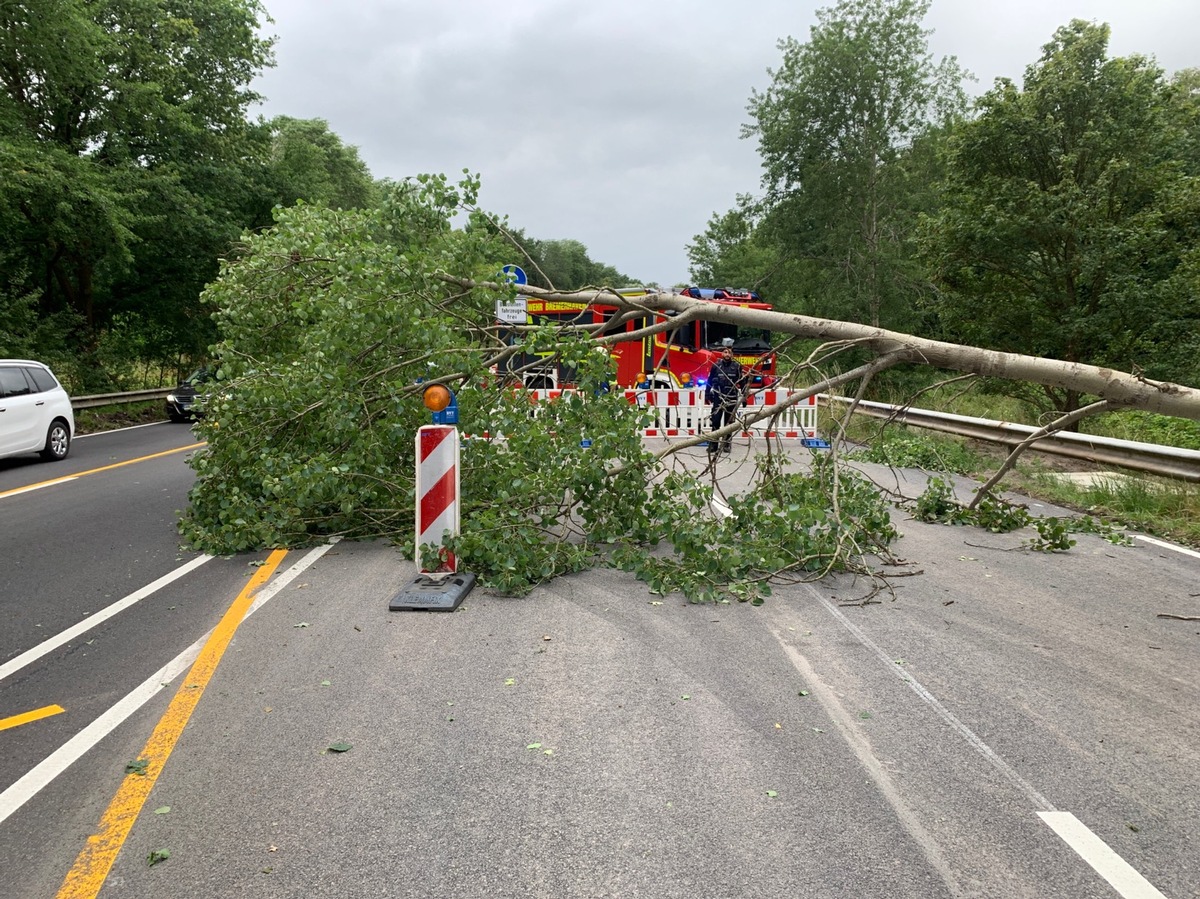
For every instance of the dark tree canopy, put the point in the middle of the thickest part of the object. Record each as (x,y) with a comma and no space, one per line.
(1071,216)
(123,135)
(833,129)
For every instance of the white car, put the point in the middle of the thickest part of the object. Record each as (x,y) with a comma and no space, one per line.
(35,412)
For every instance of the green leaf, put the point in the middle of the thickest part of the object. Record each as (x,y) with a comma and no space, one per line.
(158,855)
(340,747)
(534,746)
(137,767)
(772,793)
(162,809)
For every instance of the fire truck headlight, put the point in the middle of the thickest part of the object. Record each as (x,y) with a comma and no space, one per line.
(436,398)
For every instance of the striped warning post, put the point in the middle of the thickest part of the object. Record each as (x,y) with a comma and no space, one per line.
(437,491)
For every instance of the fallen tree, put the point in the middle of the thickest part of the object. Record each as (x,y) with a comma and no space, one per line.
(332,324)
(1120,389)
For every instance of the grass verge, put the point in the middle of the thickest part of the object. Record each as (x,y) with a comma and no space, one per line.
(1159,506)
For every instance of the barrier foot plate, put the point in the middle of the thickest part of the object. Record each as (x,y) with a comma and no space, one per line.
(433,593)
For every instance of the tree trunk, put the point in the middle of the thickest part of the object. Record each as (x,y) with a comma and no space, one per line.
(1121,389)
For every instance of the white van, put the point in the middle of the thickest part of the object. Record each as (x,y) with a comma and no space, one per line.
(35,412)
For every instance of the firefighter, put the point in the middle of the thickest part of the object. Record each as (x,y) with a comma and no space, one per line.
(724,390)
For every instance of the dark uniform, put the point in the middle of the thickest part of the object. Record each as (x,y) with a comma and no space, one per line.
(726,381)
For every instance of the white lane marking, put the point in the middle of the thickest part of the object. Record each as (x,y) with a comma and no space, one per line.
(946,715)
(862,749)
(19,490)
(32,655)
(149,424)
(1120,875)
(1123,877)
(42,774)
(290,575)
(1165,545)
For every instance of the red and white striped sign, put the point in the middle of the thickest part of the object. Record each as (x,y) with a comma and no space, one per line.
(683,412)
(437,491)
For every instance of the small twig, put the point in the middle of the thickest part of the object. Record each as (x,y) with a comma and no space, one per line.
(999,549)
(1178,617)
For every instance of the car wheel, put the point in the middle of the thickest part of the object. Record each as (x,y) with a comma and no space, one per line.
(58,441)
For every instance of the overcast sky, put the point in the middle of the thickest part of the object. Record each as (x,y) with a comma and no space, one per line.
(614,122)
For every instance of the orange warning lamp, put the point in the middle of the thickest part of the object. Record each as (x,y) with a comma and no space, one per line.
(437,397)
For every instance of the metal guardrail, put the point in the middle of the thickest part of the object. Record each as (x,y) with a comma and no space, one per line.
(117,399)
(1165,461)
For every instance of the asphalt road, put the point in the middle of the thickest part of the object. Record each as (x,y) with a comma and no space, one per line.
(594,740)
(80,537)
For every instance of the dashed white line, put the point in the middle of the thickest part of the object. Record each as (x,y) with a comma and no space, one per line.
(1120,875)
(946,715)
(1165,545)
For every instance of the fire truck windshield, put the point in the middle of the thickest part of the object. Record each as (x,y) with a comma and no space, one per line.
(745,340)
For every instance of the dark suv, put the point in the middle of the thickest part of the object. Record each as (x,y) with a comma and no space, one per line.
(181,402)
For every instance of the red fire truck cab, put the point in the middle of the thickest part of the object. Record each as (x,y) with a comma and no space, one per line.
(677,357)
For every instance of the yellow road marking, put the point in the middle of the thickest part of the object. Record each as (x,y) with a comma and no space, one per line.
(87,875)
(36,715)
(182,449)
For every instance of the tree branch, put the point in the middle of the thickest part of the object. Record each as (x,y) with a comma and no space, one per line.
(1056,425)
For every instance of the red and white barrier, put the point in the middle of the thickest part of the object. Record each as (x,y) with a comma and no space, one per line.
(683,413)
(437,491)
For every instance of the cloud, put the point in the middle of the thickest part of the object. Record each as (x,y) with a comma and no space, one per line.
(615,123)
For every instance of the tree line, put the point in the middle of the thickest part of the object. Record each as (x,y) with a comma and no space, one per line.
(132,166)
(147,219)
(1055,218)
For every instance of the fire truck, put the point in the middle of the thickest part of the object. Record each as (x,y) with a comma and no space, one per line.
(674,358)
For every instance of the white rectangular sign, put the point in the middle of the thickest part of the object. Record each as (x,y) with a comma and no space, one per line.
(512,313)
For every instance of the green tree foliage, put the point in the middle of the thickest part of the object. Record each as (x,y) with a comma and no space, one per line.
(833,129)
(333,322)
(123,135)
(1071,216)
(309,162)
(328,320)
